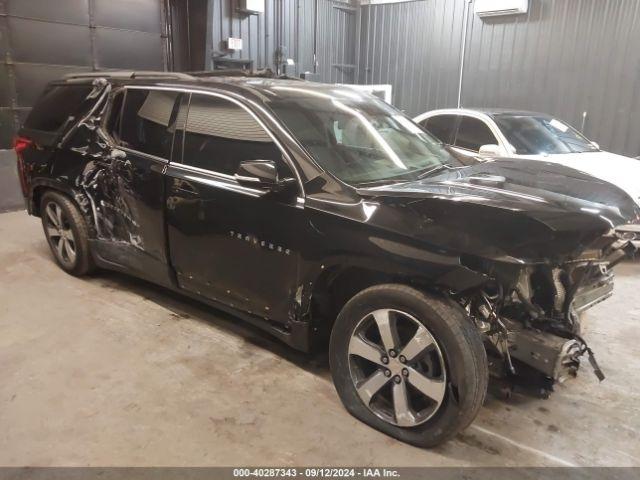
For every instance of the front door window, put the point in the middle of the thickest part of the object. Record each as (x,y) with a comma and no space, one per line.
(473,134)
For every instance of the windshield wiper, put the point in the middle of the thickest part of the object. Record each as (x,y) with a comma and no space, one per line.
(377,183)
(432,171)
(403,178)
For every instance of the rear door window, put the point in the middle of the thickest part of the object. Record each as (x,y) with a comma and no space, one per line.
(147,120)
(441,127)
(57,105)
(474,133)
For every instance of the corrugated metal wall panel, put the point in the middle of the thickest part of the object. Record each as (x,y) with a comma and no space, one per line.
(262,34)
(337,26)
(564,57)
(288,25)
(305,33)
(415,46)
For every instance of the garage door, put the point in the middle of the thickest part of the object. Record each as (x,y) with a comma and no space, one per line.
(42,40)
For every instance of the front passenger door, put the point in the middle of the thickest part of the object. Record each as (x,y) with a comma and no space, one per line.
(235,244)
(442,127)
(472,133)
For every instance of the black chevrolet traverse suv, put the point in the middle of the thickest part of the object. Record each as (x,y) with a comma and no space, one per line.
(327,217)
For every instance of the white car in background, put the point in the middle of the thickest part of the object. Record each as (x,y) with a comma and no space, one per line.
(493,133)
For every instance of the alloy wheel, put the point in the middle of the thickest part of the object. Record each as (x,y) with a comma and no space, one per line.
(60,235)
(397,367)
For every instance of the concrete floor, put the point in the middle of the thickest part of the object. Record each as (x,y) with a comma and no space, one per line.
(111,371)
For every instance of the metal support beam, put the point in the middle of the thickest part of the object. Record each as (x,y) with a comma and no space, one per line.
(463,48)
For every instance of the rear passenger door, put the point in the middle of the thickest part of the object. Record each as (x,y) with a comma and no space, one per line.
(129,191)
(232,243)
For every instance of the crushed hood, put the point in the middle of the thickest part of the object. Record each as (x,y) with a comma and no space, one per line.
(509,209)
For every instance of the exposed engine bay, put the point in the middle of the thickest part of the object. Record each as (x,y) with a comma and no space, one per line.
(530,314)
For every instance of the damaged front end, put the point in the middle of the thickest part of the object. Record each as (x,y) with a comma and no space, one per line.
(546,239)
(529,314)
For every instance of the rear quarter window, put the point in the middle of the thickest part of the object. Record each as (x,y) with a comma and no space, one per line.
(56,104)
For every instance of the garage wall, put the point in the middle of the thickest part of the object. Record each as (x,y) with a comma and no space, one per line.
(564,57)
(261,34)
(415,46)
(338,33)
(187,28)
(41,40)
(286,31)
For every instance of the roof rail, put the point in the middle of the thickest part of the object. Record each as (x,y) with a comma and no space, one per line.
(128,74)
(235,72)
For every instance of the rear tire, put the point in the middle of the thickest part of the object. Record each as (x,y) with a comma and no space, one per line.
(67,233)
(442,388)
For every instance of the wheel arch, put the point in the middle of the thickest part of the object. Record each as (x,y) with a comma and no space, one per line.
(338,283)
(41,186)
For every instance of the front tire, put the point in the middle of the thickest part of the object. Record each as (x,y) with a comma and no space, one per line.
(409,364)
(66,232)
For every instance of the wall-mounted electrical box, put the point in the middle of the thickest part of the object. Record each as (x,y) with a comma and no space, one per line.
(234,43)
(251,6)
(496,8)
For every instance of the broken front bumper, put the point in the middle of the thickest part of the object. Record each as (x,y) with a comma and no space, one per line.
(630,233)
(556,357)
(589,295)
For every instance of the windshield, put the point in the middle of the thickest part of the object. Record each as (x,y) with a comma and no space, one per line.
(357,137)
(531,135)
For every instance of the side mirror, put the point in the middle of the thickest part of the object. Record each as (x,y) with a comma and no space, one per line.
(261,174)
(490,150)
